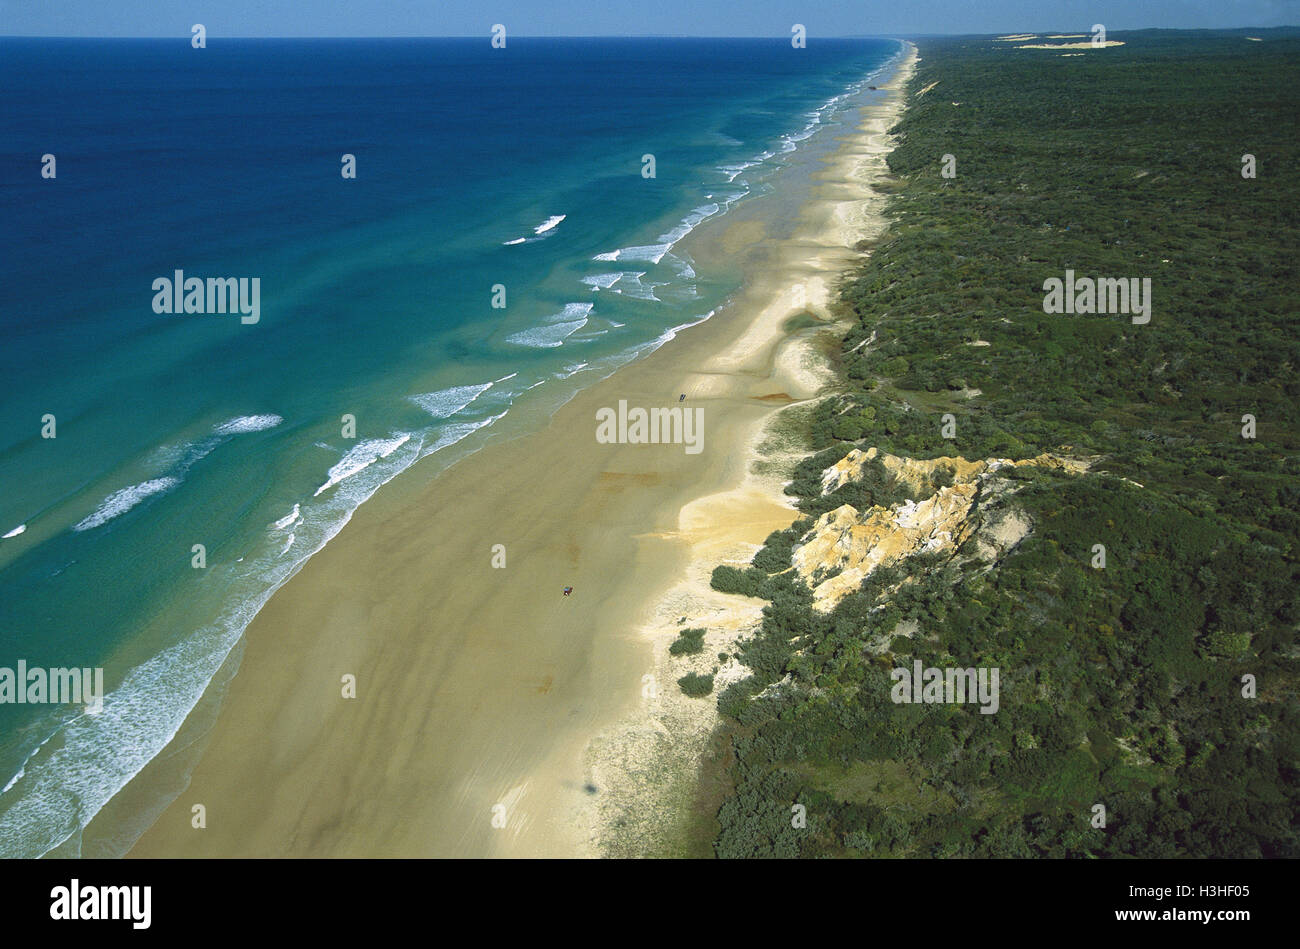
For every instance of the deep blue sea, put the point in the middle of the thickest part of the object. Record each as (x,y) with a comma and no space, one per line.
(476,169)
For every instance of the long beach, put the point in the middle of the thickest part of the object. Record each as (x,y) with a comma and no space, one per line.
(480,686)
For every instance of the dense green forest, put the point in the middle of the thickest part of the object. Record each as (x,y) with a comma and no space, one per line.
(1122,686)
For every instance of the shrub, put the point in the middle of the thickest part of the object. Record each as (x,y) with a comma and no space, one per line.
(688,643)
(727,579)
(696,686)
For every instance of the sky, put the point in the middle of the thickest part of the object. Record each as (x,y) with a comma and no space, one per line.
(827,18)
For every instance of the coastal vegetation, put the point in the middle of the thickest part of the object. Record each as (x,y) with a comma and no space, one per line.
(688,643)
(695,685)
(1148,700)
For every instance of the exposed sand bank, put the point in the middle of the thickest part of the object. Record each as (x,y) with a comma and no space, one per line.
(483,693)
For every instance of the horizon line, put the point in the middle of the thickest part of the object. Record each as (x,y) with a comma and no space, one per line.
(682,36)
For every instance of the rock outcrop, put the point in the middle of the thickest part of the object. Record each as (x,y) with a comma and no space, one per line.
(845,545)
(916,473)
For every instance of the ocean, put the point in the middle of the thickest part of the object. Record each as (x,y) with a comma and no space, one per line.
(499,247)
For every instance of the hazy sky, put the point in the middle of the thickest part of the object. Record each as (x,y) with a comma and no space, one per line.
(621,17)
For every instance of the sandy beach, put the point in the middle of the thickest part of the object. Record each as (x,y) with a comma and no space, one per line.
(494,716)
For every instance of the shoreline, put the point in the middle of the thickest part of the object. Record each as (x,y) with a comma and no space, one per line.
(498,697)
(655,762)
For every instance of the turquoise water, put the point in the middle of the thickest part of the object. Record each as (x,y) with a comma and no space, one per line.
(475,168)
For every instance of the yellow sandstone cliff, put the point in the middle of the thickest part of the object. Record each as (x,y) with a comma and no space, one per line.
(845,545)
